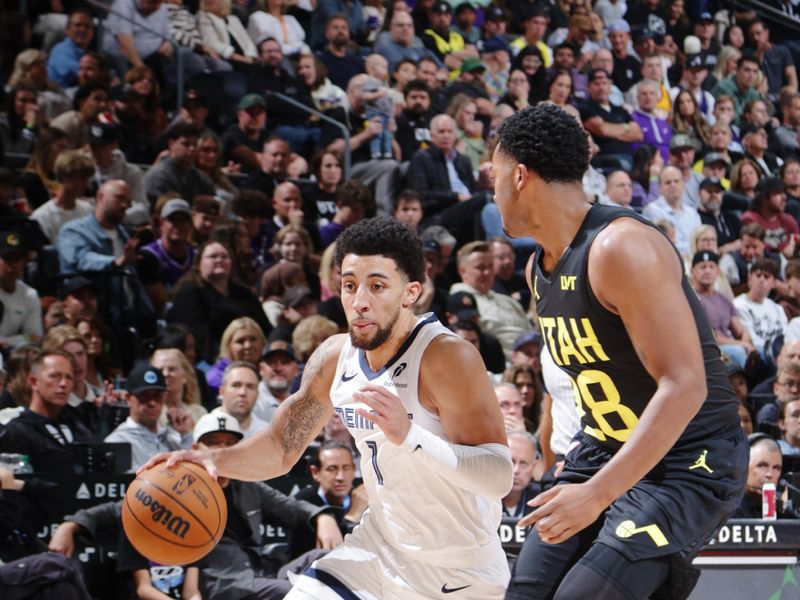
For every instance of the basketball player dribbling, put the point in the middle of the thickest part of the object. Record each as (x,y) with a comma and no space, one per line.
(419,404)
(661,459)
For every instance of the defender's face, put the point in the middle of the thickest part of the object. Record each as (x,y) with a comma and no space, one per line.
(506,194)
(373,292)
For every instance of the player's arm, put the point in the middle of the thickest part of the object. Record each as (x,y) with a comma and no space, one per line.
(273,451)
(454,384)
(294,426)
(636,274)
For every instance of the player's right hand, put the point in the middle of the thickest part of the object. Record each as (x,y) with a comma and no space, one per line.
(202,457)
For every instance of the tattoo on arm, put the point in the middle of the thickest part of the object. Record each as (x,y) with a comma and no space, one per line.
(302,423)
(305,410)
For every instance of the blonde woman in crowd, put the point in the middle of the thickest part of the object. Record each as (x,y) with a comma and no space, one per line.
(242,339)
(183,392)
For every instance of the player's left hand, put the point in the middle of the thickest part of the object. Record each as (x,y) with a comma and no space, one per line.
(387,412)
(328,533)
(563,511)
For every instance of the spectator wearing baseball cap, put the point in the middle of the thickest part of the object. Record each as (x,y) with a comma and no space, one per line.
(464,17)
(163,262)
(243,141)
(726,223)
(447,45)
(146,394)
(755,143)
(682,152)
(612,126)
(22,313)
(705,30)
(496,54)
(729,331)
(768,211)
(206,212)
(111,163)
(715,164)
(176,171)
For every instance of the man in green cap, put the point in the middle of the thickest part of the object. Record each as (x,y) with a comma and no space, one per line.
(243,141)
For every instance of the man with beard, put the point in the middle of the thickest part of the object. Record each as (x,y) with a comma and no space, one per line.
(238,394)
(341,61)
(413,124)
(278,368)
(434,483)
(726,223)
(98,241)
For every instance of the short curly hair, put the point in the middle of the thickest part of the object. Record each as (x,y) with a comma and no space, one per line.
(384,236)
(547,140)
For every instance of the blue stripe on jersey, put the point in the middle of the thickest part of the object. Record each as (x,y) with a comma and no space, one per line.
(362,356)
(332,582)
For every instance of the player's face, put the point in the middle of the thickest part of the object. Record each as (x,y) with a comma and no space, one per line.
(336,473)
(239,392)
(504,172)
(373,293)
(765,466)
(523,457)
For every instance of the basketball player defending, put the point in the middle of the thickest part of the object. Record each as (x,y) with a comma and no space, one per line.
(660,460)
(417,400)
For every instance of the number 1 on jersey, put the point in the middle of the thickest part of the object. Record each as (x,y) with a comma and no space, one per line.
(374,447)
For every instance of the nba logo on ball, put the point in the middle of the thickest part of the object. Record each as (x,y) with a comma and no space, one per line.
(175,515)
(183,484)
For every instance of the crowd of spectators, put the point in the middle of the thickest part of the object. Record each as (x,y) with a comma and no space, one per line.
(168,218)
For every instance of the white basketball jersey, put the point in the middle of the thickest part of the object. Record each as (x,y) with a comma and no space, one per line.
(415,510)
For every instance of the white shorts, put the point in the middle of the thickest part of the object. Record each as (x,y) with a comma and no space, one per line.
(367,568)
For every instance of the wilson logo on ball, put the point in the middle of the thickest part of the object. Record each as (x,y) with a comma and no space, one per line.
(162,514)
(184,483)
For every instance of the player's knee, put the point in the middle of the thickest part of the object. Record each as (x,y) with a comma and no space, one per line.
(584,582)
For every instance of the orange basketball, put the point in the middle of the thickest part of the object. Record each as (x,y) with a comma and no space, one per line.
(174,516)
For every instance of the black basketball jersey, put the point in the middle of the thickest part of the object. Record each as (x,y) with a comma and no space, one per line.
(590,343)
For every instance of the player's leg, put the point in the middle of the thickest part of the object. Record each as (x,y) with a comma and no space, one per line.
(350,571)
(540,566)
(603,573)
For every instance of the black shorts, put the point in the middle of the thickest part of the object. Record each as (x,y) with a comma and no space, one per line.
(672,512)
(676,507)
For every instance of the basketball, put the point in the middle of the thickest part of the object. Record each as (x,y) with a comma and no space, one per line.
(176,515)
